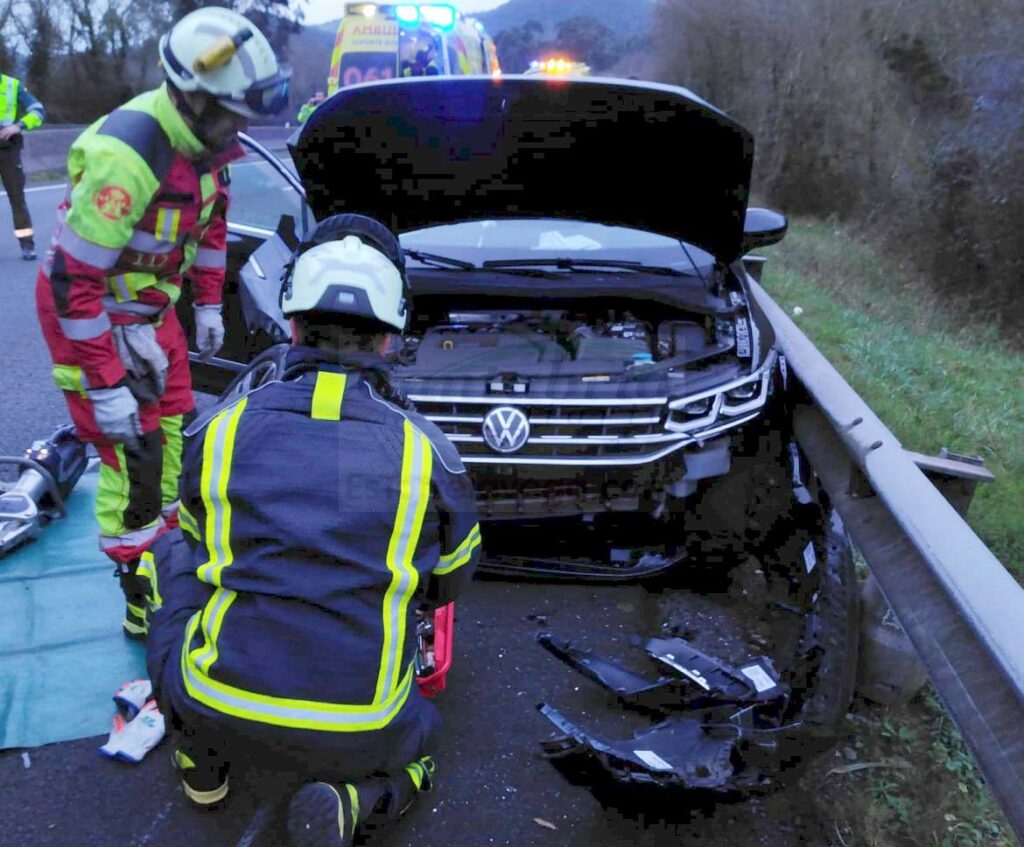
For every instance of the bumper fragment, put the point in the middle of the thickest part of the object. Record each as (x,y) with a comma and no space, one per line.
(679,752)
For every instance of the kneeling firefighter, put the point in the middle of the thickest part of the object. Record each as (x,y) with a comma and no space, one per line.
(146,206)
(317,511)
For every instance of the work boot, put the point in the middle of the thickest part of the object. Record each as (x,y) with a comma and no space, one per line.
(386,799)
(136,592)
(418,779)
(322,815)
(135,624)
(205,783)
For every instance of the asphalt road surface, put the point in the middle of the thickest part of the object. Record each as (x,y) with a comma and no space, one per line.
(492,785)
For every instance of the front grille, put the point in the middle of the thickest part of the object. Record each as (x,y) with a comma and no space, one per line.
(562,431)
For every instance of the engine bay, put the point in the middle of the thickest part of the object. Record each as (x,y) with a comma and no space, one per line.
(487,342)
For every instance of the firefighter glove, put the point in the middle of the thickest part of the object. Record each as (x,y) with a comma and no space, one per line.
(209,331)
(144,361)
(117,414)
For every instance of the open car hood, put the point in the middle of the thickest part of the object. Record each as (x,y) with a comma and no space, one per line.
(429,151)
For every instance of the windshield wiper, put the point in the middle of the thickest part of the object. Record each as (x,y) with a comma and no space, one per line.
(568,264)
(438,261)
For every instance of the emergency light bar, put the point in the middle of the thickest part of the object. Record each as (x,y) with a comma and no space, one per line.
(438,15)
(443,17)
(558,66)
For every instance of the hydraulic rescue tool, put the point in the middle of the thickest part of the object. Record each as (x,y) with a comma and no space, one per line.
(433,657)
(51,467)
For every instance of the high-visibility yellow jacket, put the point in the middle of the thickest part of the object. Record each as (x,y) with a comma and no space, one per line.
(147,203)
(17,105)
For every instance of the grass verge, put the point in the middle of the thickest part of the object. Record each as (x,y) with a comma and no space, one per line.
(938,378)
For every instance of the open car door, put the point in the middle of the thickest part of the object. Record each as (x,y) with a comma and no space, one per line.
(265,195)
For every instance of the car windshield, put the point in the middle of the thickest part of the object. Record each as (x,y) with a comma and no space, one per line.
(543,238)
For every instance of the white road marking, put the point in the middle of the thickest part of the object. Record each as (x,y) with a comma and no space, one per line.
(39,188)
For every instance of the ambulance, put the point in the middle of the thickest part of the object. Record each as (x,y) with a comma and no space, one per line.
(376,42)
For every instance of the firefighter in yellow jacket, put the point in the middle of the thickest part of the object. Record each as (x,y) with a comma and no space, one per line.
(19,113)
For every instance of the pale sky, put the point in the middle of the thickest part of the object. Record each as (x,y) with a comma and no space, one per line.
(319,11)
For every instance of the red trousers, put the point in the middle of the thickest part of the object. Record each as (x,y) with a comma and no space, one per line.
(138,488)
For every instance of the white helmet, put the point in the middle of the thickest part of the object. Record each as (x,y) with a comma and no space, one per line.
(222,54)
(347,277)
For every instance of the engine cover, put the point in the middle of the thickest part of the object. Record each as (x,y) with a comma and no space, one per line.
(490,350)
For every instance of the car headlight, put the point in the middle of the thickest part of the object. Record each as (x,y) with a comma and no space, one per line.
(744,392)
(735,399)
(698,407)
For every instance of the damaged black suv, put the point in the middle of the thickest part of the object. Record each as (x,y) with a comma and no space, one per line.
(582,330)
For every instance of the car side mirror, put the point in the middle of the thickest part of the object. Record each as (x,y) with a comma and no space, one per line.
(762,228)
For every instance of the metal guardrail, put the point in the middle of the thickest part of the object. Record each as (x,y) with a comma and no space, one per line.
(46,149)
(960,607)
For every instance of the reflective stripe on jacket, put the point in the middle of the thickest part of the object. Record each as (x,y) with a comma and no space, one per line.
(318,512)
(146,204)
(15,101)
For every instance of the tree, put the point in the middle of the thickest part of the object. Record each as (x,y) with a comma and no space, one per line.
(277,20)
(588,40)
(908,113)
(43,43)
(519,45)
(8,22)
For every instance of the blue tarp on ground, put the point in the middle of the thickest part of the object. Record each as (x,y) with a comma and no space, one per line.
(62,654)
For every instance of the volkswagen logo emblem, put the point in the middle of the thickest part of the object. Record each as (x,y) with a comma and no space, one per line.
(506,429)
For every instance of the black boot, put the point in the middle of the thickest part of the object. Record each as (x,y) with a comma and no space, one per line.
(28,249)
(205,782)
(405,788)
(325,815)
(136,597)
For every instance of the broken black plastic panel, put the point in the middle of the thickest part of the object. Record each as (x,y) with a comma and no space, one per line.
(702,682)
(680,752)
(659,695)
(753,682)
(750,731)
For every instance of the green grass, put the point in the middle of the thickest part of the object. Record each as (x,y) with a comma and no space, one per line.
(926,789)
(936,375)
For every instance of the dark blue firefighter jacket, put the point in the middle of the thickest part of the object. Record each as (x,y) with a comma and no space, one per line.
(320,514)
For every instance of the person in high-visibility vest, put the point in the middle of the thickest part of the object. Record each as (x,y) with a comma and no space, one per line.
(309,107)
(425,64)
(317,511)
(146,206)
(19,113)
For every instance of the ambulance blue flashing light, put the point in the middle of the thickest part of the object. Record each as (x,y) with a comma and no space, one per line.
(407,14)
(441,16)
